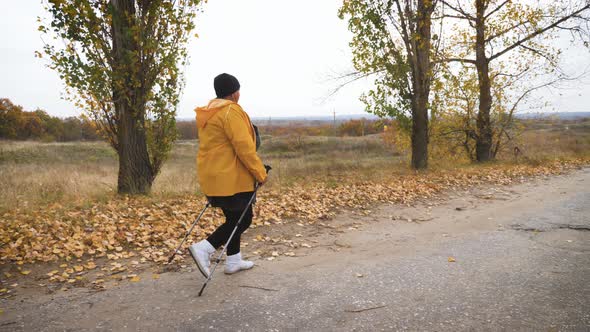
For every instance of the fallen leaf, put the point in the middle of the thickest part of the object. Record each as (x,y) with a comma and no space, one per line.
(135,279)
(52,273)
(451,259)
(25,272)
(128,226)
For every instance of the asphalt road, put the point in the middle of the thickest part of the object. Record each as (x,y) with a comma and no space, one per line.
(522,262)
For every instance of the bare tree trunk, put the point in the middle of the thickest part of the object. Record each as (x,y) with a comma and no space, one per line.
(420,133)
(135,170)
(483,144)
(421,84)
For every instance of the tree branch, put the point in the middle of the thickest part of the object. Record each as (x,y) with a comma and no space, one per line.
(459,10)
(355,77)
(456,60)
(487,40)
(496,9)
(539,31)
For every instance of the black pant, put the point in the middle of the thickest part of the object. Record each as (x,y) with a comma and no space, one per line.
(222,233)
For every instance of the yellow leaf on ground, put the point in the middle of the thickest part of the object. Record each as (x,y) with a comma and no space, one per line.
(52,273)
(135,279)
(25,272)
(451,259)
(155,276)
(79,268)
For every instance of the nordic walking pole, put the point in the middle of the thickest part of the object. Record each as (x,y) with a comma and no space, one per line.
(268,168)
(188,233)
(228,240)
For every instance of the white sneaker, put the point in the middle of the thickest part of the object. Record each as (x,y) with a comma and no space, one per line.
(201,253)
(234,263)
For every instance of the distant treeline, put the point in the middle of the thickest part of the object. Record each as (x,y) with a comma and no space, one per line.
(360,127)
(18,124)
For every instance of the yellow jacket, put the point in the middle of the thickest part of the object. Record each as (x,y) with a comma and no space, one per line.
(227,162)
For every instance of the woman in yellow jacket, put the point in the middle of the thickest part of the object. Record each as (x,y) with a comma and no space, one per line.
(228,169)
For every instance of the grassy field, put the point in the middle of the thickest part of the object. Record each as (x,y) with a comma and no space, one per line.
(33,174)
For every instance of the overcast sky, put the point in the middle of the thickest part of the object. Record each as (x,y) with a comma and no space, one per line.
(282,52)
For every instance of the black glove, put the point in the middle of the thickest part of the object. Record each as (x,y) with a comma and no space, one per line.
(267,168)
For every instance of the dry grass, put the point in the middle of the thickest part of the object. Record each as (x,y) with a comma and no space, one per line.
(33,174)
(544,140)
(41,173)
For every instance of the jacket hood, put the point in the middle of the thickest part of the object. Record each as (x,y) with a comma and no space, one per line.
(205,113)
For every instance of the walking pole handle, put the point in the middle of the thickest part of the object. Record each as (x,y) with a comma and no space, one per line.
(267,168)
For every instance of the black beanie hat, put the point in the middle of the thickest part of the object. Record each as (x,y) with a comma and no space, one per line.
(225,85)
